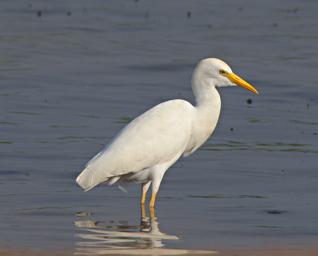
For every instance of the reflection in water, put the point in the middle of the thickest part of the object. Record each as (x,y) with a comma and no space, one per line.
(102,238)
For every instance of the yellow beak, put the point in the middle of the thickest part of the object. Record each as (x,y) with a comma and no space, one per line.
(240,82)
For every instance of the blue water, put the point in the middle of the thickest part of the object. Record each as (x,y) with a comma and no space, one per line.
(74,72)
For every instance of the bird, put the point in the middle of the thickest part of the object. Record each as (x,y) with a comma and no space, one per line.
(146,147)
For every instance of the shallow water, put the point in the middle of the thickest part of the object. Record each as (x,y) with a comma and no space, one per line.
(73,73)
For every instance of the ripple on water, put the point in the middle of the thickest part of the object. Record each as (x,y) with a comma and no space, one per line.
(6,142)
(261,147)
(8,123)
(221,196)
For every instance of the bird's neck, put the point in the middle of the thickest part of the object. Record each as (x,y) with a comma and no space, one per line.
(208,106)
(206,95)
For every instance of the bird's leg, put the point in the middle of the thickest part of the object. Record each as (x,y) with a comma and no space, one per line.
(144,189)
(152,212)
(156,181)
(142,212)
(152,200)
(144,220)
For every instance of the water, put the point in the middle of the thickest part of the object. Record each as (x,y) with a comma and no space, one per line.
(73,73)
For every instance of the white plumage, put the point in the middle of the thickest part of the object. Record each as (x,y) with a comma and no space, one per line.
(155,140)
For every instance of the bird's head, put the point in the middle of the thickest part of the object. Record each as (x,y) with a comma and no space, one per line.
(218,73)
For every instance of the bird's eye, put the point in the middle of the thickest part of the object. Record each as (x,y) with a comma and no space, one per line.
(222,72)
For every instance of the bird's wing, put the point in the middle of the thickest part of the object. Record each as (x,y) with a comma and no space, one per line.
(154,137)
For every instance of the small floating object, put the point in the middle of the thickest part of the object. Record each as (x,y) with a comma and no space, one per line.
(249,101)
(275,211)
(82,214)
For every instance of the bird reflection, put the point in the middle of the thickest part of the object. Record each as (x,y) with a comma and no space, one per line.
(101,238)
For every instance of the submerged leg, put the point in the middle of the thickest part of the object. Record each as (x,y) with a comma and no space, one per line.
(142,214)
(152,213)
(144,189)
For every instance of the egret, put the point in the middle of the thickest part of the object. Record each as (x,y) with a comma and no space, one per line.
(146,147)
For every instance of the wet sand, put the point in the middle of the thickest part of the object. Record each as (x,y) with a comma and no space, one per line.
(272,252)
(145,252)
(174,252)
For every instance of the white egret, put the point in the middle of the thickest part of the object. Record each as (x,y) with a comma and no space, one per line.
(144,150)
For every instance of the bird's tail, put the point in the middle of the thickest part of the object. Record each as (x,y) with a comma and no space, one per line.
(86,179)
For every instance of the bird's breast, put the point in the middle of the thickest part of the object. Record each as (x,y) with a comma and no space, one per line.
(202,128)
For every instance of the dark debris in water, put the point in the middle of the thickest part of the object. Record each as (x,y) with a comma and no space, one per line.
(253,196)
(275,212)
